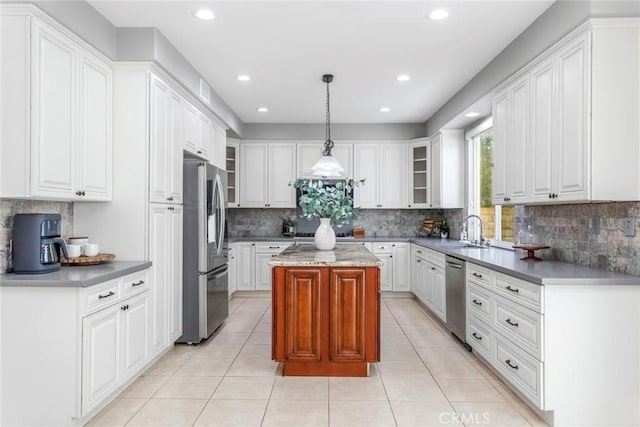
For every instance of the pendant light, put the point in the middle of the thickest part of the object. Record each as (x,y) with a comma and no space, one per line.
(327,166)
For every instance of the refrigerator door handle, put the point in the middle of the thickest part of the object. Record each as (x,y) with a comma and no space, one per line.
(223,213)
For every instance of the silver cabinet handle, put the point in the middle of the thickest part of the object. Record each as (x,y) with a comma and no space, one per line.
(111,293)
(456,266)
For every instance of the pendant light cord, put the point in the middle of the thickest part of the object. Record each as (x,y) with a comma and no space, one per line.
(328,143)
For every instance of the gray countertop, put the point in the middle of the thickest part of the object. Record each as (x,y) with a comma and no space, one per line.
(502,260)
(80,276)
(343,255)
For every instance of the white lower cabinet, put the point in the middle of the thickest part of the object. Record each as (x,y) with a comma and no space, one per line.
(233,267)
(246,266)
(386,271)
(428,279)
(401,267)
(264,251)
(115,344)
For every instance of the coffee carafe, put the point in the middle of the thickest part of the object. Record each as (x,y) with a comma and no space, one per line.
(36,239)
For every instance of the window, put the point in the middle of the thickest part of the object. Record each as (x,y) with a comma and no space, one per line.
(499,221)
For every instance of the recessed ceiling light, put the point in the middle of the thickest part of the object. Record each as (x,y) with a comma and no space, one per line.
(205,14)
(472,114)
(403,77)
(243,78)
(385,109)
(438,14)
(262,109)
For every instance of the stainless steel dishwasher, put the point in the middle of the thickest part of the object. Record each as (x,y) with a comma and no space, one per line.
(456,298)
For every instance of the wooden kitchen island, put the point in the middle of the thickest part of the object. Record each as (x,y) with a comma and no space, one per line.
(326,310)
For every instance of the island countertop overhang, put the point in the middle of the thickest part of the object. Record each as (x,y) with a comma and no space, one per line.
(342,255)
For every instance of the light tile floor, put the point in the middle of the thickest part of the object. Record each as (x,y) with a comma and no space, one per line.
(425,378)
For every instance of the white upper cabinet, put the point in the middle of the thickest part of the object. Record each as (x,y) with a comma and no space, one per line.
(510,143)
(233,177)
(309,153)
(204,147)
(56,137)
(192,128)
(447,169)
(218,157)
(419,174)
(281,174)
(267,173)
(253,178)
(165,149)
(383,168)
(578,113)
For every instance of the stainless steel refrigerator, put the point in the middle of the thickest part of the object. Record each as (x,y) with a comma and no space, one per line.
(205,284)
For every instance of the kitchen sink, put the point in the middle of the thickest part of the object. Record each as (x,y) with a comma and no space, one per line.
(457,245)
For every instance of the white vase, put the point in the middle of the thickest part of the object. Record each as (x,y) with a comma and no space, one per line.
(325,237)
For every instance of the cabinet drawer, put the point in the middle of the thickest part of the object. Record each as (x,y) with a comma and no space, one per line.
(100,296)
(135,283)
(480,275)
(479,337)
(521,325)
(272,247)
(382,247)
(479,301)
(521,370)
(435,257)
(523,292)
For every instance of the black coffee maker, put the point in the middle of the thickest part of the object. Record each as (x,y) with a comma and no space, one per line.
(36,241)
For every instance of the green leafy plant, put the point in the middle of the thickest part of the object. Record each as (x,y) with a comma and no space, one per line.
(320,201)
(444,228)
(288,221)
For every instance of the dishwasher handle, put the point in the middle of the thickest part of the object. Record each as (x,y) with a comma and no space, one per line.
(452,265)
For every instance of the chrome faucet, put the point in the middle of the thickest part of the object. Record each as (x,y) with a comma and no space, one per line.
(483,242)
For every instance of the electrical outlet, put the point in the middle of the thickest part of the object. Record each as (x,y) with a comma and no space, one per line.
(629,227)
(595,225)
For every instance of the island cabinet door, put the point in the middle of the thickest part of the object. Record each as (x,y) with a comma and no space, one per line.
(297,319)
(354,315)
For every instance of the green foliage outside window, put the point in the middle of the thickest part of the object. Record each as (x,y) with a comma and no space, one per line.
(486,171)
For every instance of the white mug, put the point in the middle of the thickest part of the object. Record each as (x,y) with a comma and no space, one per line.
(90,249)
(74,250)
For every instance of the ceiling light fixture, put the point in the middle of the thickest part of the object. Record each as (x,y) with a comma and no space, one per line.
(403,77)
(205,14)
(472,114)
(243,78)
(262,109)
(327,165)
(438,14)
(385,109)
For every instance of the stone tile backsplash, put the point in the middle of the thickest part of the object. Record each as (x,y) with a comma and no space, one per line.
(589,234)
(10,207)
(376,222)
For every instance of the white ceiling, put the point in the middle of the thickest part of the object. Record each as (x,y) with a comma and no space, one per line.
(286,46)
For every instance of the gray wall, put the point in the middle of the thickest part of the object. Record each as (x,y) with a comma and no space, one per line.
(400,131)
(557,21)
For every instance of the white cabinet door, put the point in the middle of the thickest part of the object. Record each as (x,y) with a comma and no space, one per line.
(281,174)
(419,175)
(159,174)
(263,271)
(175,263)
(159,245)
(219,150)
(175,116)
(392,175)
(253,179)
(205,136)
(246,266)
(572,167)
(401,267)
(542,137)
(53,113)
(100,355)
(436,172)
(192,128)
(94,158)
(365,166)
(135,334)
(386,272)
(438,296)
(518,146)
(233,268)
(500,141)
(233,175)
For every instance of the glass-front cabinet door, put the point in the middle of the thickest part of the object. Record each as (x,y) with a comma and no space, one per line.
(233,198)
(419,180)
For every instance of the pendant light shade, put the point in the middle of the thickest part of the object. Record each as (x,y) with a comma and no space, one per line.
(327,166)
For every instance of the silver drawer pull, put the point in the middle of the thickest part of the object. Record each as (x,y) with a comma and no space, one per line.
(508,362)
(509,288)
(479,276)
(138,283)
(111,293)
(511,323)
(476,336)
(476,302)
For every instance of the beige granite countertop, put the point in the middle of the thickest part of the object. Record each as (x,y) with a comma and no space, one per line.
(343,255)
